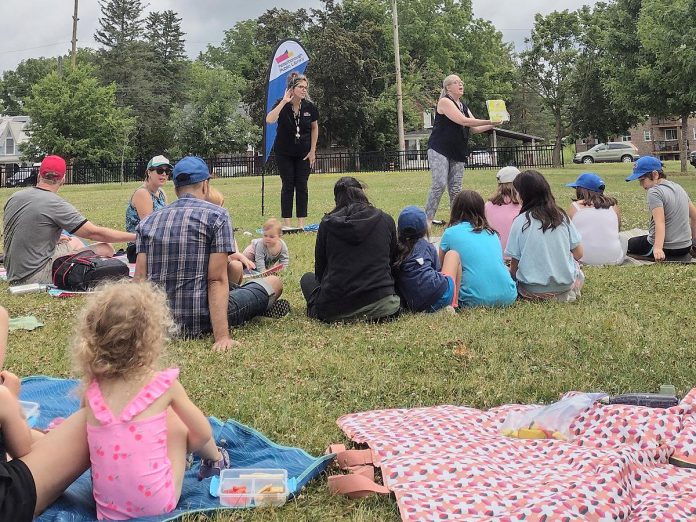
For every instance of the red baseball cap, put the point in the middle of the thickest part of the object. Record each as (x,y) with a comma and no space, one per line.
(54,164)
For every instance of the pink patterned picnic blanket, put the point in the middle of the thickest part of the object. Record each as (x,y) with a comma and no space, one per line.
(452,463)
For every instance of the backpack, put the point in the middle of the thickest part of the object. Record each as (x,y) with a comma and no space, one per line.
(84,270)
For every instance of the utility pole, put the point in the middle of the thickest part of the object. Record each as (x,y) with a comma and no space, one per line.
(399,95)
(73,53)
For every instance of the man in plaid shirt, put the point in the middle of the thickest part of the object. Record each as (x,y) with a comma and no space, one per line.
(183,248)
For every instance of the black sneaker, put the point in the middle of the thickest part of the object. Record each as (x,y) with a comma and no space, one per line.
(279,309)
(437,222)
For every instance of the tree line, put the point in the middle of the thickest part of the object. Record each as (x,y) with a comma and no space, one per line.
(590,72)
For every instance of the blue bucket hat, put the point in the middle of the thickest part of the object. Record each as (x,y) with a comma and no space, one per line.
(589,181)
(643,166)
(413,219)
(189,171)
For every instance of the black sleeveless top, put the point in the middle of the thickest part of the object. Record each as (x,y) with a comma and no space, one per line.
(449,138)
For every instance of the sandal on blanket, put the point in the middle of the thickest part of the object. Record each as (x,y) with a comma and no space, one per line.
(349,459)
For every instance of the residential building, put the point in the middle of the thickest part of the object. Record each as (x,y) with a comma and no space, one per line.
(12,135)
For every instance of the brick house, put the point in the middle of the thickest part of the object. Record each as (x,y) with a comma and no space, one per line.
(660,137)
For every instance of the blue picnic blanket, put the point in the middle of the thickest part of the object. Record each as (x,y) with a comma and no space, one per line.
(247,448)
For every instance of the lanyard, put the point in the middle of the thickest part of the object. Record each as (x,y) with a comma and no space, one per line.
(296,117)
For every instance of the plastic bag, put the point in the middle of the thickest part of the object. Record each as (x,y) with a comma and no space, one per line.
(548,422)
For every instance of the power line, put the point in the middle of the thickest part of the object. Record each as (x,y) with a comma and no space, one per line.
(33,48)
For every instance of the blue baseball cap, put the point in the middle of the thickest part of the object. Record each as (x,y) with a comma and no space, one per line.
(413,219)
(645,165)
(589,181)
(189,171)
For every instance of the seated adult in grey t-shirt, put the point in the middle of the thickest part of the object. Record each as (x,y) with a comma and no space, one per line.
(675,202)
(33,221)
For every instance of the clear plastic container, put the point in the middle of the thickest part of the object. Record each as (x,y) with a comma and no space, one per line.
(241,487)
(31,411)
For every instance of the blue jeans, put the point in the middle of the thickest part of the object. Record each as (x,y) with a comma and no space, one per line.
(247,302)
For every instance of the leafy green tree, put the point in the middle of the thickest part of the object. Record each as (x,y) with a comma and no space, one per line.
(548,66)
(75,117)
(528,114)
(211,123)
(166,37)
(15,86)
(125,60)
(668,36)
(120,23)
(593,111)
(646,71)
(349,48)
(165,81)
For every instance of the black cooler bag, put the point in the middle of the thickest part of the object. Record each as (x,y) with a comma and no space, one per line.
(84,270)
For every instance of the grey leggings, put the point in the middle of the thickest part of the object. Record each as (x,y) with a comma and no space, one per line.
(446,173)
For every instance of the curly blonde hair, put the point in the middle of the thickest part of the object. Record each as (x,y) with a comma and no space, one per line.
(122,330)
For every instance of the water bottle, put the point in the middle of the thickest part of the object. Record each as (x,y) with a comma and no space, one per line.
(27,289)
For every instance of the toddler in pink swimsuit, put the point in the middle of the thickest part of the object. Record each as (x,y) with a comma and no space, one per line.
(140,422)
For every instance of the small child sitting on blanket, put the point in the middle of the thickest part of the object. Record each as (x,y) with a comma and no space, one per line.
(673,216)
(140,421)
(269,251)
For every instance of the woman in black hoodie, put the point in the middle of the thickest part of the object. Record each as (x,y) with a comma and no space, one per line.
(355,249)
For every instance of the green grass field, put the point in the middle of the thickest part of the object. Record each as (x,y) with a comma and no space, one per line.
(632,330)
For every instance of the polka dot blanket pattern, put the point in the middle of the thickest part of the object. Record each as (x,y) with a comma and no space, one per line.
(452,463)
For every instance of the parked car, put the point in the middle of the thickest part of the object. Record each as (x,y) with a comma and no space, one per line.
(613,151)
(481,158)
(692,158)
(24,178)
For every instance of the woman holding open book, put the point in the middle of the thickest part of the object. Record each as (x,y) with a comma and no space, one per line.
(449,141)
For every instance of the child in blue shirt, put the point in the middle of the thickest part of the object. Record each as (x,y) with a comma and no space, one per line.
(544,244)
(423,287)
(486,280)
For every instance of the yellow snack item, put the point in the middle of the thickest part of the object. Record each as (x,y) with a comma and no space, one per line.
(266,489)
(531,433)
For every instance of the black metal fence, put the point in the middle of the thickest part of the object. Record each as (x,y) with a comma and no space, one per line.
(249,165)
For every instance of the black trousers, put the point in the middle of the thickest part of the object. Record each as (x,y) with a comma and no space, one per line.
(294,174)
(310,291)
(640,246)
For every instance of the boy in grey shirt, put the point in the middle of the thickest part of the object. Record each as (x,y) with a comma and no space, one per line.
(673,215)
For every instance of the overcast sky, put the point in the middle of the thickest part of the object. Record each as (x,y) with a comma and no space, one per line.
(33,28)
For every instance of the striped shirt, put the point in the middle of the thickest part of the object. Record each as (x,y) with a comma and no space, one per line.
(178,241)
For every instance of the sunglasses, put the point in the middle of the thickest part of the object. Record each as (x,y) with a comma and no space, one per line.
(161,170)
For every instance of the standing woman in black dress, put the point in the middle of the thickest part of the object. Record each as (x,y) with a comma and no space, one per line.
(295,145)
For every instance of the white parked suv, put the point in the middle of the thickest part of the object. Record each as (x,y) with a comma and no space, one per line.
(613,151)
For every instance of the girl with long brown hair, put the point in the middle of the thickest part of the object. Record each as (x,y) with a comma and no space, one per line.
(598,220)
(485,279)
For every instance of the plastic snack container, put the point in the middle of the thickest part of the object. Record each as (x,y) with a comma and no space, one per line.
(31,412)
(249,487)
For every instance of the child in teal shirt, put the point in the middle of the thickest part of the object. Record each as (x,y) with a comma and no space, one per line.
(485,279)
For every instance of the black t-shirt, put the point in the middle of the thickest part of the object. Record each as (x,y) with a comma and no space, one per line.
(285,141)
